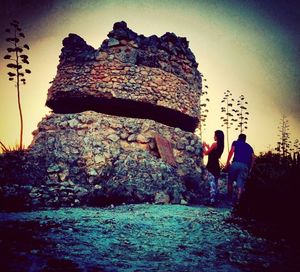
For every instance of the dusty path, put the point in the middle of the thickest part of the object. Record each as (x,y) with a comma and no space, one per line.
(136,238)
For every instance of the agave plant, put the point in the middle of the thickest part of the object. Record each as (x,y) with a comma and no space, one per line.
(242,114)
(203,108)
(227,118)
(18,60)
(284,142)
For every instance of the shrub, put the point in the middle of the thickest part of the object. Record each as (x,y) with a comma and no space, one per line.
(272,193)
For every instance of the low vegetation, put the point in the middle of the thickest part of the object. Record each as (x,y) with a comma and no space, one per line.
(272,193)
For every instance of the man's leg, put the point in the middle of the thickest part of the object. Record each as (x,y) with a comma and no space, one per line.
(241,180)
(239,193)
(231,177)
(229,188)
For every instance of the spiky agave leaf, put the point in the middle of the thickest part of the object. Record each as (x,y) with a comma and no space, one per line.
(11,65)
(14,25)
(11,74)
(25,61)
(19,49)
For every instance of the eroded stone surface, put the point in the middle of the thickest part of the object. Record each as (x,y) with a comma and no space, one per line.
(157,72)
(91,158)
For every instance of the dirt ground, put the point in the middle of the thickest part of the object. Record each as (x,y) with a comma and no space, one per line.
(138,238)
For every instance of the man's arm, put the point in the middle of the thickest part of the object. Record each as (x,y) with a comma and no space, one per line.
(230,154)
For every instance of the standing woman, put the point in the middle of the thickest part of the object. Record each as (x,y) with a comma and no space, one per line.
(214,153)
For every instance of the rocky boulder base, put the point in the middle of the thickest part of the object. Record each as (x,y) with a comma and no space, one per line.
(96,159)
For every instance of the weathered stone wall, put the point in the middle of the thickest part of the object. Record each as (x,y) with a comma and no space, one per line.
(151,70)
(169,52)
(95,140)
(114,79)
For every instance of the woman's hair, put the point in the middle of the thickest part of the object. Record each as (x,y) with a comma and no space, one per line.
(220,142)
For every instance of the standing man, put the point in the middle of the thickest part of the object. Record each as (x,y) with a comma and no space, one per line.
(241,166)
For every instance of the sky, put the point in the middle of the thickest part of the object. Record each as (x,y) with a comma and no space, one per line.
(249,47)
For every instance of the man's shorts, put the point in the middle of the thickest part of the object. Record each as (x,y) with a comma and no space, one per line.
(238,172)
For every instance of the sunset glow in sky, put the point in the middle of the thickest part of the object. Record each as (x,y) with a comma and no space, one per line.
(248,47)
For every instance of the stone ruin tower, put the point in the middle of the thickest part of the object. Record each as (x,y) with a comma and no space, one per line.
(99,145)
